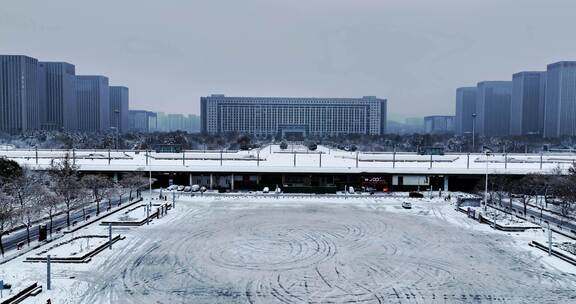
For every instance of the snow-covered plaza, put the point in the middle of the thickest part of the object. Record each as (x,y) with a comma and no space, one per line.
(235,249)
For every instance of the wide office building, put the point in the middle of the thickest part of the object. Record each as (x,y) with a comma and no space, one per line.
(300,116)
(560,108)
(58,96)
(493,108)
(439,124)
(527,104)
(20,88)
(119,104)
(93,97)
(465,109)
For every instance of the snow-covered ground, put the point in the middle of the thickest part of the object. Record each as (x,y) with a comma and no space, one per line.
(225,249)
(273,159)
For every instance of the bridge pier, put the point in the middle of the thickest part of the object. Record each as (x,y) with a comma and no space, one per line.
(446,183)
(211,181)
(190,180)
(232,183)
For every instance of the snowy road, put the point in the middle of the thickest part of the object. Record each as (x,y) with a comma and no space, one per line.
(231,251)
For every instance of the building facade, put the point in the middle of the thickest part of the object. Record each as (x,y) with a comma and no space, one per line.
(93,101)
(282,115)
(527,104)
(465,108)
(20,94)
(560,106)
(439,124)
(119,104)
(141,121)
(493,108)
(58,96)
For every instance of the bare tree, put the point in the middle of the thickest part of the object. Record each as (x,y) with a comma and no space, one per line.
(7,217)
(134,182)
(50,205)
(26,190)
(66,185)
(112,190)
(96,184)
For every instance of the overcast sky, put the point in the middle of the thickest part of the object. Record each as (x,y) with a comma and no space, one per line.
(415,53)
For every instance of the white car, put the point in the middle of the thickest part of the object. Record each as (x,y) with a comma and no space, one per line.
(265,190)
(180,188)
(195,188)
(187,189)
(406,205)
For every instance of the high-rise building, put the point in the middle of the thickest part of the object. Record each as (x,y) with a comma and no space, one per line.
(527,105)
(560,106)
(119,100)
(177,122)
(58,96)
(20,85)
(465,108)
(93,100)
(493,108)
(293,116)
(439,124)
(142,121)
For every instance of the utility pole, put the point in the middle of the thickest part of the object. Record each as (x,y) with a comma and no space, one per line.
(394,158)
(48,283)
(110,236)
(486,185)
(549,240)
(473,132)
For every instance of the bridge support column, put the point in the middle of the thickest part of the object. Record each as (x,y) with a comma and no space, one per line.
(211,181)
(232,182)
(115,177)
(446,183)
(190,180)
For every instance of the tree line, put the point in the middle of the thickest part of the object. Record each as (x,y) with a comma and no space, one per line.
(541,190)
(27,196)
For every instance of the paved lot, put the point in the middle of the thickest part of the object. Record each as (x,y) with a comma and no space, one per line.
(234,251)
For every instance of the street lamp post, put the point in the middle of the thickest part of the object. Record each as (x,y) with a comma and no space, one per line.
(117,112)
(486,185)
(473,132)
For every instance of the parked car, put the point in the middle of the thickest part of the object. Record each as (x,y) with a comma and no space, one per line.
(416,195)
(406,205)
(170,188)
(180,188)
(187,189)
(202,189)
(195,188)
(266,190)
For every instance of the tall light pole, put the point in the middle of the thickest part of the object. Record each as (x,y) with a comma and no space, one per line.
(117,112)
(486,183)
(473,132)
